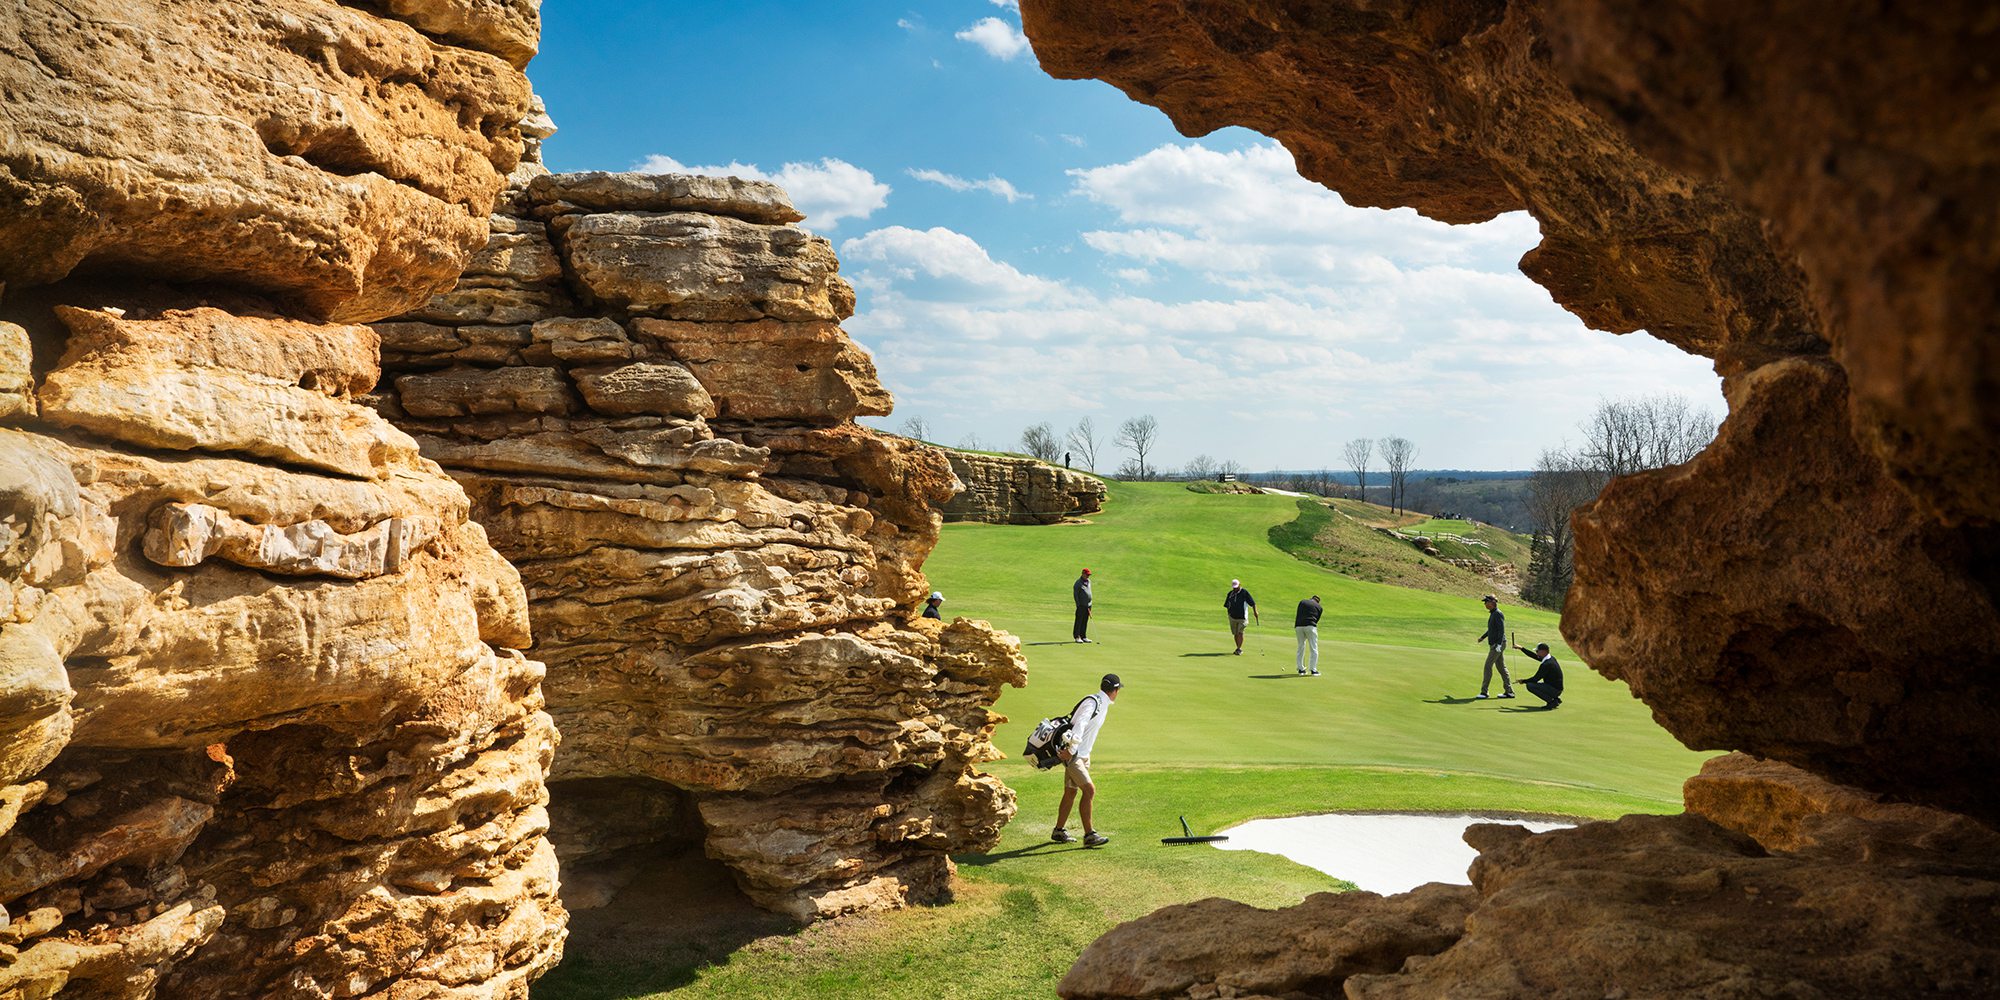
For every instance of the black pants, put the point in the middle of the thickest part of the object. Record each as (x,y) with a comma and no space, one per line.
(1545,691)
(1082,624)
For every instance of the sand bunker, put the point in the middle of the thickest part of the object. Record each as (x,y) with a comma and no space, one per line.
(1380,853)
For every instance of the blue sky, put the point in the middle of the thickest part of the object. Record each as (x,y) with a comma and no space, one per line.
(1026,249)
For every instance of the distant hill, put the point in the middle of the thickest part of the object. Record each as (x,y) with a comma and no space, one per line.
(1370,542)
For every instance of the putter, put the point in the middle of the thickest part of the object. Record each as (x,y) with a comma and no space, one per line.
(1188,837)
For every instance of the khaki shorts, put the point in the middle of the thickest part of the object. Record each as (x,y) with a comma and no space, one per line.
(1076,773)
(1237,625)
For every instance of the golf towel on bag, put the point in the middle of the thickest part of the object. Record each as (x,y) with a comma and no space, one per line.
(1051,737)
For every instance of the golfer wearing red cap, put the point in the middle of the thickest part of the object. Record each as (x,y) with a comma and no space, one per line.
(1081,591)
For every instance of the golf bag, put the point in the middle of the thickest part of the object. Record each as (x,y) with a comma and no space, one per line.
(1050,738)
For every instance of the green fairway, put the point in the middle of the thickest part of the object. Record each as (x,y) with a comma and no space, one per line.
(1399,666)
(1390,725)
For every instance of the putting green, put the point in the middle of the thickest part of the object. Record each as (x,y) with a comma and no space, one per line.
(1399,667)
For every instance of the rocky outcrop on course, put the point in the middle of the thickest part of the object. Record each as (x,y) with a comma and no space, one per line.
(1781,191)
(643,385)
(264,727)
(1003,490)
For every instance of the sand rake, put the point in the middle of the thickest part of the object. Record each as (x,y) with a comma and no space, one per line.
(1187,836)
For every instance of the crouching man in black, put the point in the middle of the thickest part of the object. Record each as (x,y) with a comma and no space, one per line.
(1547,684)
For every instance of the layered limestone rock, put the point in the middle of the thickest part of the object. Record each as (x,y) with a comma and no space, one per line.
(340,159)
(1783,191)
(643,385)
(1774,883)
(264,726)
(1003,490)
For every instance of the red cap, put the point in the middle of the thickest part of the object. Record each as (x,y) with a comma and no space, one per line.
(1086,571)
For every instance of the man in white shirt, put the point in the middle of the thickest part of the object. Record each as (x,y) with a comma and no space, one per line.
(1085,723)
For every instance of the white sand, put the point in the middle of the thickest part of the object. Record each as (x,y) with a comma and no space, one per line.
(1385,854)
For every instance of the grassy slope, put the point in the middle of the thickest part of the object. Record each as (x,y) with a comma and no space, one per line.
(1198,733)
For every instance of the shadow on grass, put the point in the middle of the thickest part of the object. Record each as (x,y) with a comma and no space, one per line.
(1449,700)
(1529,708)
(1207,654)
(1272,677)
(1032,850)
(665,912)
(1054,642)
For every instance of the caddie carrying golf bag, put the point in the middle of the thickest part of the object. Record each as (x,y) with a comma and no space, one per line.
(1051,737)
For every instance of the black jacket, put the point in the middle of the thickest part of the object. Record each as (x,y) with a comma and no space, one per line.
(1309,612)
(1496,627)
(1551,673)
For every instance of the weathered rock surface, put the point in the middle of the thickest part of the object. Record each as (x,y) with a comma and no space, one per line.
(291,747)
(264,727)
(1002,490)
(1723,220)
(312,150)
(1218,948)
(721,567)
(1783,191)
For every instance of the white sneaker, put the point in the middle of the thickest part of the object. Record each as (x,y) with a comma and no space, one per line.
(1315,673)
(1480,696)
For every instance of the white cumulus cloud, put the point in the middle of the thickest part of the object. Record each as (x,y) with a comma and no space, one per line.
(1001,40)
(1258,316)
(827,191)
(995,185)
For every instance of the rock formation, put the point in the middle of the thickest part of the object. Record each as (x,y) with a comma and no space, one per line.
(264,730)
(1787,191)
(643,385)
(1003,490)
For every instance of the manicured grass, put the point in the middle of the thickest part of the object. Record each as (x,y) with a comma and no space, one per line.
(1197,732)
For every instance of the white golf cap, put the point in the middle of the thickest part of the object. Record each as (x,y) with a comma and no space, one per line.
(937,595)
(1236,583)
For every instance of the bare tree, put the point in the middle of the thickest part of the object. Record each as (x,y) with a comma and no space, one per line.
(1397,454)
(915,427)
(1040,441)
(1358,452)
(1139,435)
(1623,436)
(1200,467)
(1563,481)
(971,442)
(1083,440)
(1228,467)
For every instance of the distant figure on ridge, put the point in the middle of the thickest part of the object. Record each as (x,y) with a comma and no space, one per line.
(1241,606)
(931,605)
(1306,625)
(1495,637)
(1081,592)
(1085,723)
(1547,684)
(1065,460)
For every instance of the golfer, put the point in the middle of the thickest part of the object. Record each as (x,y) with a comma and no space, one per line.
(1547,684)
(931,605)
(1241,606)
(1085,724)
(1495,638)
(1306,626)
(1081,592)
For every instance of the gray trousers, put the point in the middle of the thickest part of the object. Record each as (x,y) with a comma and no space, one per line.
(1496,659)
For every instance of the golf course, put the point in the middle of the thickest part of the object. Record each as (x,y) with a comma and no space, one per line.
(1391,725)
